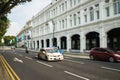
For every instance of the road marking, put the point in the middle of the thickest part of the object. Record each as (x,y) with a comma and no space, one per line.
(11,72)
(110,68)
(76,75)
(74,61)
(29,58)
(44,64)
(18,60)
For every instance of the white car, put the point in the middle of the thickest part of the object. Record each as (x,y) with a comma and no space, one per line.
(50,54)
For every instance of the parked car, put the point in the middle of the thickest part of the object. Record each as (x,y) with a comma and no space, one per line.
(50,54)
(104,54)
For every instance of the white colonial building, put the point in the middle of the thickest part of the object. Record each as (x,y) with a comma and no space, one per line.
(24,36)
(77,25)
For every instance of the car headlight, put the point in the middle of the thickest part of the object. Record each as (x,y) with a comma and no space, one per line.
(117,55)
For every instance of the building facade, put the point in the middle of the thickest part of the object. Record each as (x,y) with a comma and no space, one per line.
(24,36)
(77,25)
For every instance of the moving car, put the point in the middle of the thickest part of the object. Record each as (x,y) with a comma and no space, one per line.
(104,54)
(50,54)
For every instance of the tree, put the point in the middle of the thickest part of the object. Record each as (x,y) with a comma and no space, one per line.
(7,5)
(7,40)
(4,22)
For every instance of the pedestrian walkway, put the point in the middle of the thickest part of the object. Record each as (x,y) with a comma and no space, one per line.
(77,55)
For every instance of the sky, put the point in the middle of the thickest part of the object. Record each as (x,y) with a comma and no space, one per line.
(22,13)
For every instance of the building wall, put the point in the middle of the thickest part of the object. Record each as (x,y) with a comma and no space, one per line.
(70,17)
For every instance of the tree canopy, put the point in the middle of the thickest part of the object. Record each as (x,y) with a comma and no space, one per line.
(4,22)
(5,8)
(7,5)
(7,40)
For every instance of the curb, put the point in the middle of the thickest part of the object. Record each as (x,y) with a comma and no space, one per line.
(84,56)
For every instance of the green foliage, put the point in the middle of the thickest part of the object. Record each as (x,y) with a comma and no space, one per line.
(7,5)
(7,40)
(4,1)
(5,8)
(4,23)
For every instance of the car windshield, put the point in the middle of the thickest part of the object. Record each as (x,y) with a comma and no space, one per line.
(52,50)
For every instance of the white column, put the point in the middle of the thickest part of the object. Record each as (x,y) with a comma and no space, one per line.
(101,9)
(44,43)
(82,19)
(58,42)
(111,8)
(40,44)
(103,38)
(51,42)
(68,21)
(32,44)
(68,43)
(35,44)
(88,16)
(82,42)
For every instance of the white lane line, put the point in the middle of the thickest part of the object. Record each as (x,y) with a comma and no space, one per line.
(29,58)
(74,61)
(44,64)
(110,68)
(76,75)
(18,60)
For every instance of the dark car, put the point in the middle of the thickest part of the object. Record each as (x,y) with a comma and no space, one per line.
(104,54)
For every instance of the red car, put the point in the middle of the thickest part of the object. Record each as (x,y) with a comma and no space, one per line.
(104,54)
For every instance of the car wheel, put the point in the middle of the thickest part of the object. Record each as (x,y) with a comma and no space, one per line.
(92,57)
(38,56)
(46,58)
(111,59)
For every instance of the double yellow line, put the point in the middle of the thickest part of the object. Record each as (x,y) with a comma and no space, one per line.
(9,69)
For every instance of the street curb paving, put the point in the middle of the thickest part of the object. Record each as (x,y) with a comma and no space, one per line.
(77,56)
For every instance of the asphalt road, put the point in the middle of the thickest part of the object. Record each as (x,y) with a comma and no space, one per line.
(28,67)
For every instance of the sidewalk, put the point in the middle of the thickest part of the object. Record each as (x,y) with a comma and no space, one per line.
(77,55)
